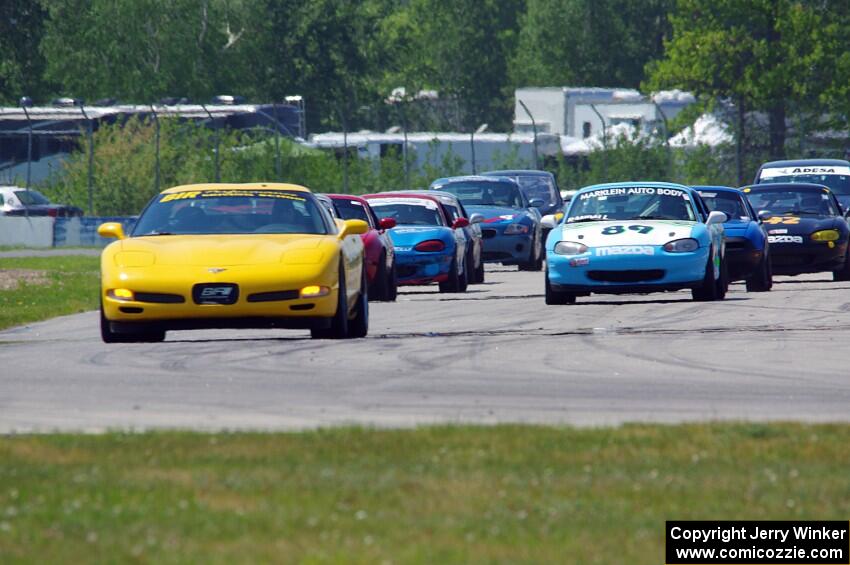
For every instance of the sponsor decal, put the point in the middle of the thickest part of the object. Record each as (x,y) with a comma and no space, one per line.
(777,232)
(794,171)
(604,193)
(785,239)
(397,248)
(625,250)
(579,261)
(378,202)
(193,194)
(587,217)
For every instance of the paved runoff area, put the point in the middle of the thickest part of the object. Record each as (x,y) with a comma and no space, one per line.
(494,354)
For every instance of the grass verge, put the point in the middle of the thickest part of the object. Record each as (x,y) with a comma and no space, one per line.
(72,285)
(430,495)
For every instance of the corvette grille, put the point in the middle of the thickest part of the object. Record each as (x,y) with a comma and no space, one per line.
(273,296)
(159,298)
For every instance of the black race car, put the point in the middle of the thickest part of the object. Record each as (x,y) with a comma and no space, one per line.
(806,228)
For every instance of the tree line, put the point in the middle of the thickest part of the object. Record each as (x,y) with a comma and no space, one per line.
(787,60)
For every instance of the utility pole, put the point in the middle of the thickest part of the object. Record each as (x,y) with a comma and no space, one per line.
(156,149)
(534,129)
(217,141)
(90,137)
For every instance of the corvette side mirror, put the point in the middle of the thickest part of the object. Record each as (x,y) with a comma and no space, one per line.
(386,223)
(460,223)
(764,215)
(549,221)
(476,218)
(111,229)
(353,227)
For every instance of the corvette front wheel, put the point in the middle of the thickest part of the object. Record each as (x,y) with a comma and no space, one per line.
(359,325)
(339,323)
(109,336)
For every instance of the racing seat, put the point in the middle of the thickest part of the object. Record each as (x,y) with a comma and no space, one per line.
(190,219)
(673,208)
(814,203)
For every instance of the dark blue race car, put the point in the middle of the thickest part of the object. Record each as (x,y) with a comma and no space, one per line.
(747,247)
(805,228)
(511,228)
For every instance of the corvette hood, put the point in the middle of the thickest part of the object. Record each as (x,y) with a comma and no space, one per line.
(495,212)
(628,232)
(223,250)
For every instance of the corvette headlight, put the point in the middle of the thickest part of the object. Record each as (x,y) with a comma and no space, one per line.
(123,294)
(681,246)
(570,248)
(516,229)
(314,291)
(826,235)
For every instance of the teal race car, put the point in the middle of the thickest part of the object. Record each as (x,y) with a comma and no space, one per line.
(636,237)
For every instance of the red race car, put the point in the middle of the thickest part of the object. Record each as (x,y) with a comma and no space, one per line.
(380,254)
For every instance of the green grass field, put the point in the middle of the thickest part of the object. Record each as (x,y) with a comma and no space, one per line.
(505,494)
(72,285)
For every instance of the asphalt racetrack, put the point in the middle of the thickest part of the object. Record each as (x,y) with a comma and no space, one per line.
(495,354)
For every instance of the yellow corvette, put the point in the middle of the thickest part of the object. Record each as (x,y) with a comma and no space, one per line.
(234,256)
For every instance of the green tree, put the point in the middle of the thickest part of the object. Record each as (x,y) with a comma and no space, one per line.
(589,42)
(457,47)
(324,50)
(140,50)
(21,63)
(763,55)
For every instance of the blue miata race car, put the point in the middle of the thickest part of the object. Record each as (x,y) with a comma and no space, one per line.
(429,247)
(636,237)
(747,246)
(511,228)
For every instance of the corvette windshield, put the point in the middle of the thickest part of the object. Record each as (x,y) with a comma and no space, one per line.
(408,212)
(231,212)
(631,203)
(485,193)
(793,202)
(726,202)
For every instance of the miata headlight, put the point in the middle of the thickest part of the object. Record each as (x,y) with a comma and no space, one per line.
(516,229)
(681,246)
(570,248)
(826,235)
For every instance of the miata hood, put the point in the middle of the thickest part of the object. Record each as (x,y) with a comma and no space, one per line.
(223,250)
(601,234)
(490,212)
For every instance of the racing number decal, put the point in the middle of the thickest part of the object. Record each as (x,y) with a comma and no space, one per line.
(789,220)
(614,230)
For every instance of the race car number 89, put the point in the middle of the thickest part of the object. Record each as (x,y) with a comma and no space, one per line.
(614,230)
